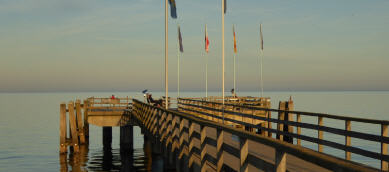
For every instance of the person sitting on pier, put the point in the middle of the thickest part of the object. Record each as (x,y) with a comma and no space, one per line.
(150,100)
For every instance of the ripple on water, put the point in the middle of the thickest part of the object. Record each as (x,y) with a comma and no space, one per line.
(109,160)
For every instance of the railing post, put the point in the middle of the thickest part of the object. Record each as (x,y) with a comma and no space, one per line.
(178,104)
(269,126)
(62,129)
(86,124)
(203,144)
(298,129)
(348,140)
(73,127)
(219,148)
(280,161)
(80,127)
(244,152)
(320,134)
(281,117)
(384,147)
(266,124)
(289,107)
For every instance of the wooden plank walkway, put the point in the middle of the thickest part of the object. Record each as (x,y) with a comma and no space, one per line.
(287,119)
(215,147)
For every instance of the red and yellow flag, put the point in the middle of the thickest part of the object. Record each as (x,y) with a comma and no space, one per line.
(206,40)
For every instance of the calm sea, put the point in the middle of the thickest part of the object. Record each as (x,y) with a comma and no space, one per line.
(29,126)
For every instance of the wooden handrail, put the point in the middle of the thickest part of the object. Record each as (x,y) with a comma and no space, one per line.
(202,108)
(354,134)
(355,119)
(161,121)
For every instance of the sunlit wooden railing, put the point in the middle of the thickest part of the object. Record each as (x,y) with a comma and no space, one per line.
(178,131)
(212,110)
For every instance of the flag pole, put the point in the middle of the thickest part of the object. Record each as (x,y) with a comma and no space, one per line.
(166,55)
(206,61)
(233,29)
(223,9)
(234,73)
(261,58)
(261,55)
(178,65)
(206,76)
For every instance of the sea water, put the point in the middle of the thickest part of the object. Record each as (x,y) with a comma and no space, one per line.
(29,126)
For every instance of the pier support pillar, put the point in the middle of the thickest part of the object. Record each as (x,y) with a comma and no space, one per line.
(127,138)
(127,147)
(107,138)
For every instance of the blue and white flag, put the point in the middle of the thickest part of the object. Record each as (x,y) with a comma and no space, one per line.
(173,9)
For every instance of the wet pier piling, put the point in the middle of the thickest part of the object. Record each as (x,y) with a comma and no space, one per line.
(126,138)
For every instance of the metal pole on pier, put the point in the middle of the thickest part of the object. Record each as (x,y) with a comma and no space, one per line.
(166,55)
(206,76)
(178,62)
(206,46)
(261,58)
(223,10)
(235,51)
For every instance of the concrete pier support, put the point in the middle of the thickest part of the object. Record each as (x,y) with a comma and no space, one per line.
(153,151)
(107,138)
(127,138)
(127,147)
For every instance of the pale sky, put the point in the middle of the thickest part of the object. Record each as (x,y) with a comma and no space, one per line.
(92,45)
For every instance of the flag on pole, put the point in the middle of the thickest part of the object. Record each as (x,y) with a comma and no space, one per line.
(225,6)
(206,40)
(260,29)
(233,30)
(180,40)
(173,10)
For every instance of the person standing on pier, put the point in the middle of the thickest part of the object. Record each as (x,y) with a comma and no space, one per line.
(233,93)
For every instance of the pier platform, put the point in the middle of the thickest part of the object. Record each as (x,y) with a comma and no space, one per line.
(243,134)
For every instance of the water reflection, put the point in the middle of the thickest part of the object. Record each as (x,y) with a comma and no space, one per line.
(112,160)
(74,161)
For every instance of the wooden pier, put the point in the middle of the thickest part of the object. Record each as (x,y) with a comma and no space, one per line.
(245,134)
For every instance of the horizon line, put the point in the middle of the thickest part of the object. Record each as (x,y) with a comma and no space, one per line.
(174,91)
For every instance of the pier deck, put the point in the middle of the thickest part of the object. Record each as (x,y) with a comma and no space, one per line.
(204,135)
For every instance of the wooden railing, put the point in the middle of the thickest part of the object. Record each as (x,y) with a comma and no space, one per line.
(119,101)
(205,108)
(244,101)
(95,103)
(185,105)
(180,131)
